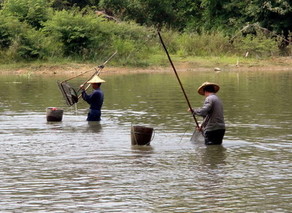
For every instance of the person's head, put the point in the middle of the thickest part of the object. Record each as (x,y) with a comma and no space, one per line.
(95,81)
(206,88)
(209,89)
(95,85)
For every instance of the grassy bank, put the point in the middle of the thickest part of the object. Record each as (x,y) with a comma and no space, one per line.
(181,64)
(66,37)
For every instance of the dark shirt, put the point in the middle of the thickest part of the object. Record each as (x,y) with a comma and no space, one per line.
(95,99)
(212,111)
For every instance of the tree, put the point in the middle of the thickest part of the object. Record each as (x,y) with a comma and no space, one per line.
(114,7)
(273,15)
(68,4)
(145,12)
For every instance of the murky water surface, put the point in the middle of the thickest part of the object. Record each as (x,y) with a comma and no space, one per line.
(71,166)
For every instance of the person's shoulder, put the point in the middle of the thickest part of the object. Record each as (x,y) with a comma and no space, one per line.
(212,98)
(97,92)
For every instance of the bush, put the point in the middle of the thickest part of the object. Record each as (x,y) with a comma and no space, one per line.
(30,45)
(79,35)
(206,44)
(20,41)
(257,45)
(33,12)
(194,44)
(6,34)
(133,42)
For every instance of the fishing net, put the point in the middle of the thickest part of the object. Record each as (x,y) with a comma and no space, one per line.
(197,137)
(69,93)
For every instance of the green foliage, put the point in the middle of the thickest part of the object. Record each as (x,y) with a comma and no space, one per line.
(34,12)
(188,15)
(257,45)
(68,4)
(194,44)
(7,26)
(204,15)
(114,7)
(79,34)
(275,15)
(20,41)
(134,43)
(32,30)
(207,44)
(25,43)
(31,45)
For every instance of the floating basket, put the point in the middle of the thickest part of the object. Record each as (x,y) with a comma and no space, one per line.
(141,135)
(54,114)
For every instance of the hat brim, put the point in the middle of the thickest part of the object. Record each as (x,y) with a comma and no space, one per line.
(95,80)
(202,87)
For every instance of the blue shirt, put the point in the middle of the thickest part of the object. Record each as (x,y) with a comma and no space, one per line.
(95,99)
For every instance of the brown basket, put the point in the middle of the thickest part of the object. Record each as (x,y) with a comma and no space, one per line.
(141,135)
(54,114)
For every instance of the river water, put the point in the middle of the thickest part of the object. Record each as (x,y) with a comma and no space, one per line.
(71,166)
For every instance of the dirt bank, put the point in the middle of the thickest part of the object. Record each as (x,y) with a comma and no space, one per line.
(271,65)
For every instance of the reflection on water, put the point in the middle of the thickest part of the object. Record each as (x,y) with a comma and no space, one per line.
(213,156)
(94,127)
(80,166)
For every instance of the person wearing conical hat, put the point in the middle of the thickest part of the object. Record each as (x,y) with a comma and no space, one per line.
(213,125)
(95,99)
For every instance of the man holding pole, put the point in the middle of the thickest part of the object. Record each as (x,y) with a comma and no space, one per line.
(95,99)
(213,125)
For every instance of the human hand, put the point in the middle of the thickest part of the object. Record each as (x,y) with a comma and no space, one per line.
(82,87)
(199,128)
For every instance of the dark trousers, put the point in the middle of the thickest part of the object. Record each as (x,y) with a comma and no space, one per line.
(214,137)
(93,115)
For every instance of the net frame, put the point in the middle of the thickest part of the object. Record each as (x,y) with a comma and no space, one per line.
(69,93)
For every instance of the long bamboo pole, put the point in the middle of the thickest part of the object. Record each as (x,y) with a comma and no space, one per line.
(179,81)
(97,71)
(100,67)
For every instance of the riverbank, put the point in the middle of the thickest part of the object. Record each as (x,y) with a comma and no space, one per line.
(193,65)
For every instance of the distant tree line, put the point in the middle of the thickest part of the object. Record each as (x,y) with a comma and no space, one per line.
(195,15)
(192,15)
(42,29)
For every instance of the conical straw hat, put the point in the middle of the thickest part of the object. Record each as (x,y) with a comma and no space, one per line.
(95,79)
(201,88)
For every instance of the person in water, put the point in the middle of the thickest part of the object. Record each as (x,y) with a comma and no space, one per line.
(213,125)
(95,99)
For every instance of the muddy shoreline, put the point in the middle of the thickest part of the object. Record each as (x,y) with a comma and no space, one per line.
(273,65)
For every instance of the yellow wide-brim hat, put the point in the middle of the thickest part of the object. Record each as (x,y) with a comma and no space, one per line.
(201,88)
(95,79)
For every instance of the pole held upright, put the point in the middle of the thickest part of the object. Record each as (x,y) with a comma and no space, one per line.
(179,81)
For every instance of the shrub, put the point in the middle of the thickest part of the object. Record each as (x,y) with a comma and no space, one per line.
(79,35)
(6,35)
(257,45)
(19,41)
(194,44)
(33,12)
(133,42)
